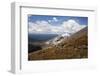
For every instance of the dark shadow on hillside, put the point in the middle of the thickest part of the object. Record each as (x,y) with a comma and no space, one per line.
(32,48)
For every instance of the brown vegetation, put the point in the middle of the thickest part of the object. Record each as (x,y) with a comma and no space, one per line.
(75,46)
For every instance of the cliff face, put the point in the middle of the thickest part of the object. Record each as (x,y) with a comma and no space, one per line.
(76,46)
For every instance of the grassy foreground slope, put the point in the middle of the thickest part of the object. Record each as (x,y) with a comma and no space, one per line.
(76,46)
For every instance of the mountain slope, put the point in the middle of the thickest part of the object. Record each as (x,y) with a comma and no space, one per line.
(76,46)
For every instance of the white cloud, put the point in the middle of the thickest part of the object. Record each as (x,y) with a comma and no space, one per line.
(55,19)
(39,27)
(72,26)
(49,20)
(69,26)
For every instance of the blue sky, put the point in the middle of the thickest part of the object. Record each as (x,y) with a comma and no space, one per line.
(55,24)
(80,20)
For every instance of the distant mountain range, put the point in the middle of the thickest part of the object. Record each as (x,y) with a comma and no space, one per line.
(64,47)
(40,37)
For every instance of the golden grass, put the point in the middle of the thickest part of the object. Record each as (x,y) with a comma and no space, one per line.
(68,49)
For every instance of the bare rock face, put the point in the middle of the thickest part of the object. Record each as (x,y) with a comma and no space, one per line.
(73,47)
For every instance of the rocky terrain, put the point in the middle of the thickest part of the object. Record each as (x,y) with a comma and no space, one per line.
(73,47)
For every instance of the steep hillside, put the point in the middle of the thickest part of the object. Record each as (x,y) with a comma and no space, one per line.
(76,46)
